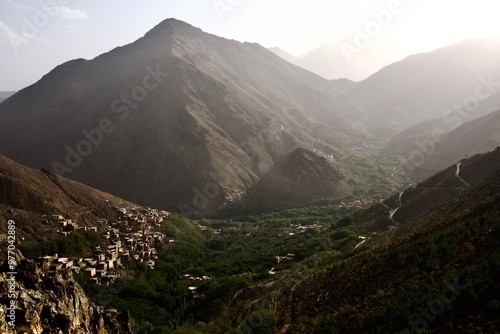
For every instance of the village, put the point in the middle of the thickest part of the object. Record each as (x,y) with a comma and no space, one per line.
(130,239)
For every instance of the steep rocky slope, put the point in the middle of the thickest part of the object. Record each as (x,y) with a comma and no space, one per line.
(54,303)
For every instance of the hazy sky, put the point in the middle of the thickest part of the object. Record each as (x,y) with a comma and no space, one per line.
(37,35)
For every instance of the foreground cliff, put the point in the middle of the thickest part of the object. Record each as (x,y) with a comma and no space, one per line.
(53,303)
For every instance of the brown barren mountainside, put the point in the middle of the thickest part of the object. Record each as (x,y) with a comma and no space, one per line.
(300,177)
(30,197)
(187,121)
(178,119)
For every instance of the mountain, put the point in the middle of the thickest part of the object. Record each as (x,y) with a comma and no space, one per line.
(5,95)
(30,197)
(429,146)
(431,193)
(477,136)
(429,85)
(285,55)
(434,129)
(187,121)
(179,119)
(417,88)
(298,178)
(332,62)
(329,62)
(439,279)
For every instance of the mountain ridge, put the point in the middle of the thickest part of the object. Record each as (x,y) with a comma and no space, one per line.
(31,197)
(180,112)
(215,103)
(417,87)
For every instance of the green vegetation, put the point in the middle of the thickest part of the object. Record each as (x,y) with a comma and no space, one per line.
(375,175)
(222,275)
(380,289)
(77,242)
(235,255)
(450,271)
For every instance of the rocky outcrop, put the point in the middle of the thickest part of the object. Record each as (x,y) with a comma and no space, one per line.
(298,178)
(54,303)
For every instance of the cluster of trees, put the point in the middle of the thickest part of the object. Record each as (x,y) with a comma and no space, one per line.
(77,242)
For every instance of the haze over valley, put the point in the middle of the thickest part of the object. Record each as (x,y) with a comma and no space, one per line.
(184,181)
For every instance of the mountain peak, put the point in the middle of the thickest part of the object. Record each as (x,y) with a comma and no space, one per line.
(299,177)
(171,26)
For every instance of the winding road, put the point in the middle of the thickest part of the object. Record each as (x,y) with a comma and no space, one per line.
(392,212)
(457,174)
(360,243)
(391,217)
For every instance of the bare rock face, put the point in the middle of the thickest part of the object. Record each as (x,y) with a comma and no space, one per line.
(54,303)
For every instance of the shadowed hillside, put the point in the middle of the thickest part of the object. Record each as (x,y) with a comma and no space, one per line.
(30,197)
(158,120)
(298,178)
(443,260)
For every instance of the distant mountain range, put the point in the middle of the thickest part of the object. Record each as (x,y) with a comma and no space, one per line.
(187,121)
(331,62)
(430,85)
(418,87)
